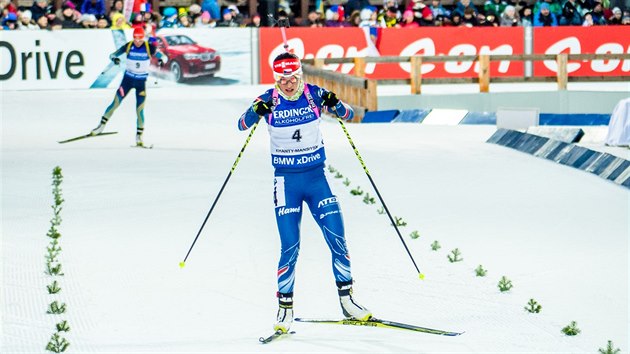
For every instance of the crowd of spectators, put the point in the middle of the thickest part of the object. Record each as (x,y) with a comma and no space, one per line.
(352,13)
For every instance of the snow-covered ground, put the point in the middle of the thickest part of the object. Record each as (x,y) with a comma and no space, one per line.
(559,234)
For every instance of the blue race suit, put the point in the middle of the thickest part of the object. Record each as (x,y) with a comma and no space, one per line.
(298,155)
(136,73)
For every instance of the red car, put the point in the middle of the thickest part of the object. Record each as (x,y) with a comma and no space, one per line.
(186,59)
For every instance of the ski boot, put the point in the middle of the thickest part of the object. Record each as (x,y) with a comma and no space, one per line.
(139,141)
(101,126)
(351,309)
(285,313)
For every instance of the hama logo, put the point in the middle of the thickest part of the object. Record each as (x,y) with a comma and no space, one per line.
(284,211)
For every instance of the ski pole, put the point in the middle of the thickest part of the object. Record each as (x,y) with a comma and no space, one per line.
(238,158)
(283,23)
(356,152)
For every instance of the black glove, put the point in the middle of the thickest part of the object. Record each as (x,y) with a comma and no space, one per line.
(262,108)
(330,99)
(160,63)
(116,60)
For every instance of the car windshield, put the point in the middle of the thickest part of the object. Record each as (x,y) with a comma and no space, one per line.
(178,40)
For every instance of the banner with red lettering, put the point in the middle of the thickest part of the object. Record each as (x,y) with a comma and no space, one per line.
(308,43)
(356,42)
(583,40)
(450,41)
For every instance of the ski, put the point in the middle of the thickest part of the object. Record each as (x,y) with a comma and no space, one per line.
(276,335)
(85,136)
(143,146)
(373,322)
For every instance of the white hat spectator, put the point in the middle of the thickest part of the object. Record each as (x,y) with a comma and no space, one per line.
(88,18)
(194,9)
(234,9)
(26,15)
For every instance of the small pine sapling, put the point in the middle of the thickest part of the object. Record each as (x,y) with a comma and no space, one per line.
(504,284)
(381,210)
(53,251)
(480,272)
(57,344)
(338,175)
(609,349)
(56,220)
(356,191)
(53,288)
(346,182)
(414,234)
(533,306)
(400,221)
(368,200)
(455,256)
(571,329)
(53,269)
(54,308)
(435,245)
(63,326)
(53,232)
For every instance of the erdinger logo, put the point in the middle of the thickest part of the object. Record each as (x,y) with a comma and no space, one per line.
(284,211)
(302,112)
(327,202)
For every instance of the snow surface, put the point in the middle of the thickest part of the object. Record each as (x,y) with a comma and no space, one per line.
(130,215)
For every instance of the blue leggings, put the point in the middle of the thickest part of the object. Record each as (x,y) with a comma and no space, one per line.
(290,190)
(126,85)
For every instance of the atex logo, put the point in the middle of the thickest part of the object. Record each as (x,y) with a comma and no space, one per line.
(284,211)
(326,202)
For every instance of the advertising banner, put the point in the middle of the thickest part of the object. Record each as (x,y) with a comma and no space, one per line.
(308,43)
(35,60)
(77,59)
(216,56)
(350,42)
(583,40)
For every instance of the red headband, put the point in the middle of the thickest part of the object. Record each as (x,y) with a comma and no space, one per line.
(286,67)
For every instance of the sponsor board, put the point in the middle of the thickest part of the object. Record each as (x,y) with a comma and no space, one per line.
(36,60)
(79,59)
(231,45)
(583,40)
(353,42)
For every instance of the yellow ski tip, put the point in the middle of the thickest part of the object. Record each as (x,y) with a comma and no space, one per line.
(421,276)
(182,264)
